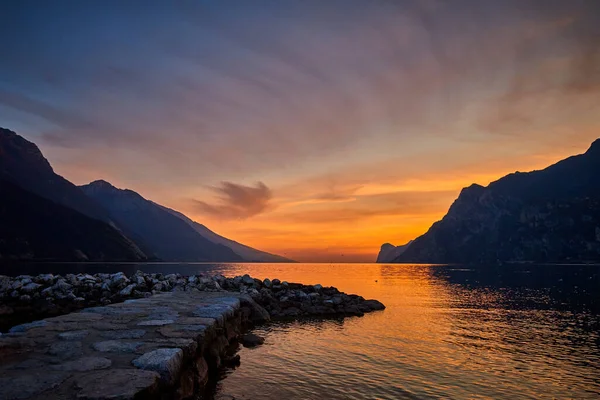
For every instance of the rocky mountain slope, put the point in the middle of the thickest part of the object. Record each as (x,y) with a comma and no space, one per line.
(35,228)
(551,215)
(159,232)
(22,163)
(247,253)
(389,252)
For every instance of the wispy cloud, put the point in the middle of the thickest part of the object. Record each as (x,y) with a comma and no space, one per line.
(237,201)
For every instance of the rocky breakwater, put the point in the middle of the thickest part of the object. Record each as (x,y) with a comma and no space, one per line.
(25,298)
(149,344)
(164,346)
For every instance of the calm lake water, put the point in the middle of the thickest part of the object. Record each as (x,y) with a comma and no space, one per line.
(448,332)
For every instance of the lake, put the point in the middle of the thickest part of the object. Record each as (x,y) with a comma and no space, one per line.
(448,332)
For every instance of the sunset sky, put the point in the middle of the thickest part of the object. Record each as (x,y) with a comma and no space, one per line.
(317,130)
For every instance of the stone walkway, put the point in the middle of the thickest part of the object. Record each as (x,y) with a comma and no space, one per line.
(141,348)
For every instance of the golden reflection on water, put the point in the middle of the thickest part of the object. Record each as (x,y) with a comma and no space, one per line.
(436,339)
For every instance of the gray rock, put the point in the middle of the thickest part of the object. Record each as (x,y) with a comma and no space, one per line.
(73,335)
(116,346)
(156,322)
(31,287)
(65,350)
(267,283)
(247,280)
(124,334)
(127,290)
(26,327)
(46,278)
(84,364)
(167,362)
(25,298)
(26,386)
(122,384)
(318,287)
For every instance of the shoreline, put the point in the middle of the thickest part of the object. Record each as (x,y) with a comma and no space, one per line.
(25,298)
(188,328)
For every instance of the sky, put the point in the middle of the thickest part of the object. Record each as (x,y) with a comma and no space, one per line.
(317,130)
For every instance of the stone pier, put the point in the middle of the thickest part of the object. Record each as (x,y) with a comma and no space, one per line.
(157,347)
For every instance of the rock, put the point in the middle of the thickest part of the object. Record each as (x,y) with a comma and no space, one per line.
(62,285)
(127,290)
(156,322)
(73,335)
(247,280)
(267,283)
(31,287)
(232,362)
(167,362)
(122,384)
(84,364)
(6,310)
(374,304)
(65,350)
(46,278)
(276,282)
(318,287)
(26,327)
(25,298)
(26,386)
(258,314)
(116,346)
(251,340)
(124,334)
(285,284)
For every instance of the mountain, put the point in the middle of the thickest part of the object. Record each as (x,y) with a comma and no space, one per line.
(159,232)
(247,253)
(551,215)
(22,163)
(389,252)
(38,207)
(35,228)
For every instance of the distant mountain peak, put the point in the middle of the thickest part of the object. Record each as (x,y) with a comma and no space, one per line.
(101,183)
(16,149)
(594,148)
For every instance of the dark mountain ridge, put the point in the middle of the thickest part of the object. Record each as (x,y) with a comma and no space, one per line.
(246,252)
(22,163)
(550,215)
(159,233)
(35,228)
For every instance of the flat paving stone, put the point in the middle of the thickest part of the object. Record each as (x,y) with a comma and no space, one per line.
(124,334)
(121,384)
(26,386)
(217,311)
(156,322)
(65,350)
(73,335)
(26,327)
(84,364)
(167,362)
(116,346)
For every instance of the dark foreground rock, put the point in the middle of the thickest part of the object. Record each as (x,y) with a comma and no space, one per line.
(251,340)
(25,298)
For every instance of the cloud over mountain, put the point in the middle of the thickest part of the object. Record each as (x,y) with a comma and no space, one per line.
(236,201)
